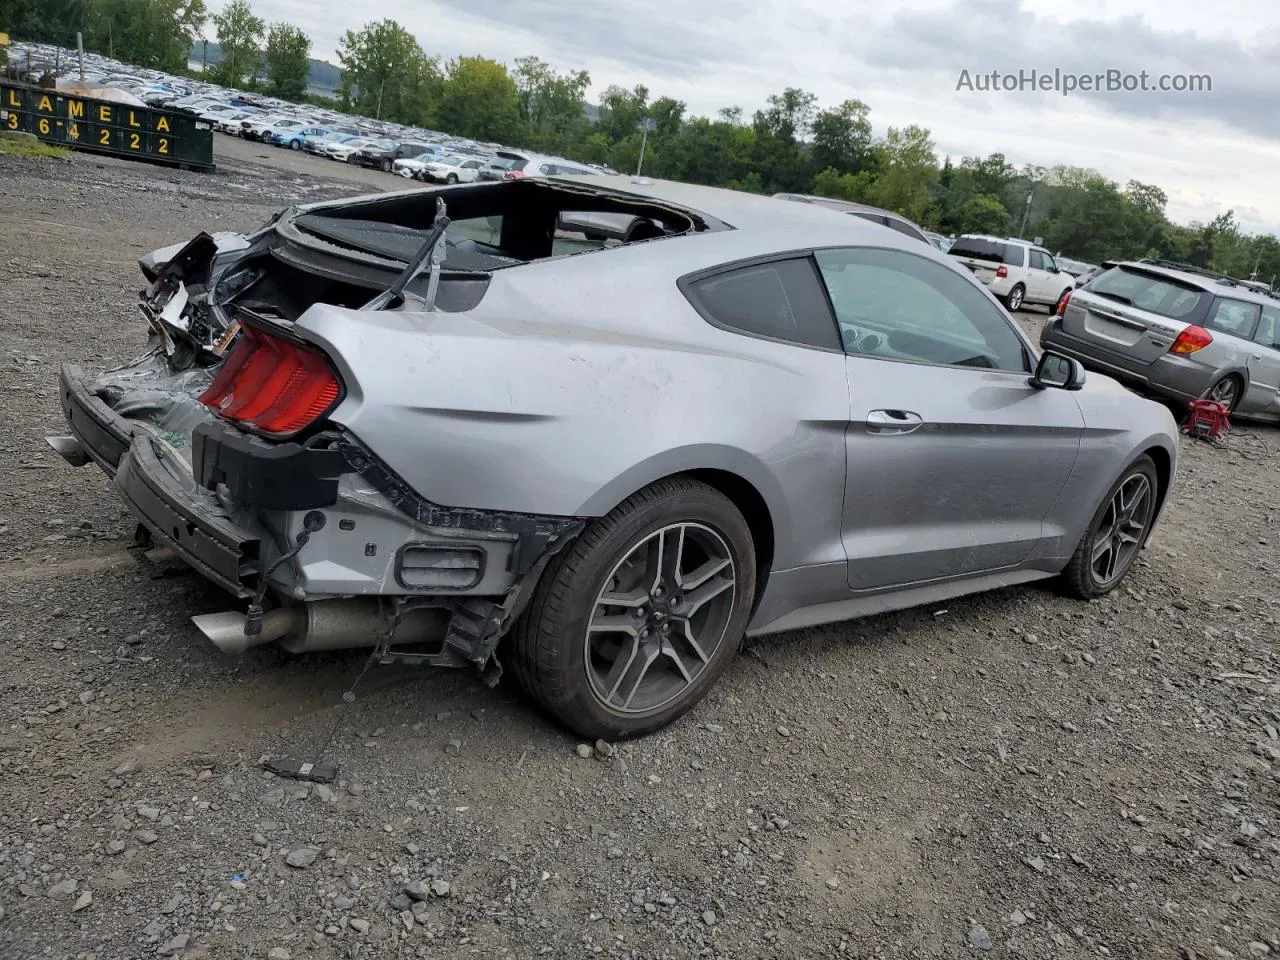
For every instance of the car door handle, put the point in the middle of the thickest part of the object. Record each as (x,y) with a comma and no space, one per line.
(1257,356)
(893,422)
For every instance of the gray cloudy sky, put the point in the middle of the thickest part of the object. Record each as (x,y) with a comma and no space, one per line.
(1208,150)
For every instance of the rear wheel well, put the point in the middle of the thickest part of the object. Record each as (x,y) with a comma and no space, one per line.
(1164,469)
(754,510)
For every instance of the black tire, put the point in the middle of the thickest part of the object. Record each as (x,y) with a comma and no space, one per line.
(1080,578)
(549,643)
(386,166)
(1015,297)
(1228,390)
(451,178)
(295,145)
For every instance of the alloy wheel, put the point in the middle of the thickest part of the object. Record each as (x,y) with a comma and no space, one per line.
(1015,298)
(660,617)
(1123,526)
(1225,392)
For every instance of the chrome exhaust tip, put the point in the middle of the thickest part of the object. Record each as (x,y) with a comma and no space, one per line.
(226,630)
(69,449)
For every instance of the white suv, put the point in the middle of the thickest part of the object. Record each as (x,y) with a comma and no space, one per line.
(1016,271)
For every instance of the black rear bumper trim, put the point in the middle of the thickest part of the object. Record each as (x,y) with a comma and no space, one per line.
(268,476)
(179,520)
(103,434)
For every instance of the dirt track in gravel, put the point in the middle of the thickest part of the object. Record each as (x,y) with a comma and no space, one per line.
(1074,779)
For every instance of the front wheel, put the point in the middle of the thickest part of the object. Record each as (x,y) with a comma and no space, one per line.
(451,178)
(635,621)
(386,166)
(1015,297)
(1116,534)
(295,145)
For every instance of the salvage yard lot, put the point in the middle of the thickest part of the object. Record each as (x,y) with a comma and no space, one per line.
(1015,772)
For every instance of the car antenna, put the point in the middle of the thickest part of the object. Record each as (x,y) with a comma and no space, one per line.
(430,255)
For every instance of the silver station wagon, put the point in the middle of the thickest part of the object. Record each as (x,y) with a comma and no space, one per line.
(1177,331)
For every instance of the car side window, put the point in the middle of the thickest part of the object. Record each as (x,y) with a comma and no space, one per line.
(893,305)
(1234,317)
(1050,264)
(1268,334)
(1037,260)
(873,217)
(1014,255)
(903,227)
(781,300)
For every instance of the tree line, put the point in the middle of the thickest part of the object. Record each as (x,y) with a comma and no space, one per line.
(791,144)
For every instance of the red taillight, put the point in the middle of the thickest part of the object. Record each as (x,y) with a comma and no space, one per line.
(1191,339)
(513,175)
(272,385)
(1002,271)
(1062,304)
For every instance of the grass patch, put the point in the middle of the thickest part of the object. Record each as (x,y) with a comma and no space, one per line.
(27,149)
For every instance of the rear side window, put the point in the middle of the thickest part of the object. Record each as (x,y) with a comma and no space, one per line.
(1147,291)
(781,300)
(1268,333)
(1234,317)
(903,227)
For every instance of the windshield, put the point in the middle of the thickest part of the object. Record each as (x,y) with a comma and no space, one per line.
(1147,291)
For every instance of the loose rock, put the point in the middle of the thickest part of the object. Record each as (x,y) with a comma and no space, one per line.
(302,857)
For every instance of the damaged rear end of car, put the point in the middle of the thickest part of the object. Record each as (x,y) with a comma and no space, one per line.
(230,438)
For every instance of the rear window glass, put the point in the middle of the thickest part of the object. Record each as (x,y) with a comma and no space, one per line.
(991,250)
(1147,292)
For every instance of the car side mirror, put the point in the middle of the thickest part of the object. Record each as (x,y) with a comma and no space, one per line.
(1055,370)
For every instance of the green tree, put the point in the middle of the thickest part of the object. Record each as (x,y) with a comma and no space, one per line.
(910,169)
(480,100)
(841,138)
(621,112)
(778,154)
(386,75)
(552,105)
(288,60)
(149,33)
(982,213)
(854,187)
(240,35)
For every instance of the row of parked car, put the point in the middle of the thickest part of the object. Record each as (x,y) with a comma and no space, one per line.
(427,156)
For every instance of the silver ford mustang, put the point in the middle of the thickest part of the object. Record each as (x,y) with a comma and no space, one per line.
(596,430)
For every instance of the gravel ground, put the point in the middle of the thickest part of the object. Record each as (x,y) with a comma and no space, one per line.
(1016,774)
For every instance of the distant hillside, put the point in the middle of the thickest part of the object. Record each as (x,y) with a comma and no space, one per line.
(323,76)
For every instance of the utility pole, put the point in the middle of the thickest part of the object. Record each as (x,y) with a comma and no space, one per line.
(80,50)
(204,56)
(645,126)
(1026,213)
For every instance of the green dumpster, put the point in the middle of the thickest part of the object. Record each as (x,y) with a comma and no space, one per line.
(104,126)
